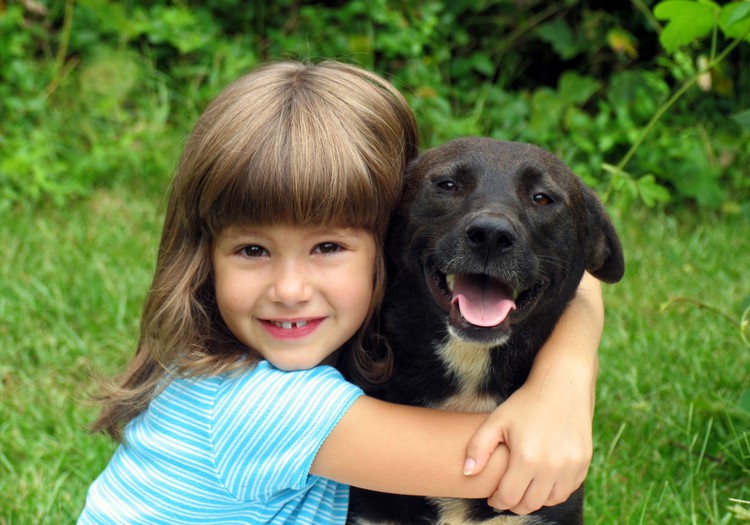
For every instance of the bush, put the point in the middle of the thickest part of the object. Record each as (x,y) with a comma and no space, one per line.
(647,104)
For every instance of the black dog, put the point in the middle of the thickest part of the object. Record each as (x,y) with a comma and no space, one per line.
(487,248)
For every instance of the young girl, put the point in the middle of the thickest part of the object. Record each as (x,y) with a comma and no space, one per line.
(270,264)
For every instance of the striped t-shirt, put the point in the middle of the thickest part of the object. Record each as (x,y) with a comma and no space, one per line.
(228,449)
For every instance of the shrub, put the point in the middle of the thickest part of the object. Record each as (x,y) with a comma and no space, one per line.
(648,104)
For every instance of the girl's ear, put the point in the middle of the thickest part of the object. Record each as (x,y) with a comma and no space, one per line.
(604,257)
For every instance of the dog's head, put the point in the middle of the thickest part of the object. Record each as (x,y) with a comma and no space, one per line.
(500,231)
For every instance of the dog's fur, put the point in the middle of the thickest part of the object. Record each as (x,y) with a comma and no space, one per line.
(502,216)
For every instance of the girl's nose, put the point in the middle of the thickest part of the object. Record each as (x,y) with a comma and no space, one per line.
(291,285)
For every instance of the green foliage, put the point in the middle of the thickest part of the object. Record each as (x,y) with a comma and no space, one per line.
(99,92)
(688,21)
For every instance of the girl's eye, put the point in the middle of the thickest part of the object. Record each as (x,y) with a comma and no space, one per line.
(253,250)
(327,248)
(542,199)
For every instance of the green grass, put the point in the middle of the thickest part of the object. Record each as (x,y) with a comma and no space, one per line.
(71,288)
(671,443)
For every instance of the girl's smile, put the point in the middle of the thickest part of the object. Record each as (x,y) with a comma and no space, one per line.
(294,294)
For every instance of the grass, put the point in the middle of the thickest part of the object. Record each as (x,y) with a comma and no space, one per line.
(71,285)
(671,443)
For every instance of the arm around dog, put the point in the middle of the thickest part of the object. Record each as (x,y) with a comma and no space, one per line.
(406,450)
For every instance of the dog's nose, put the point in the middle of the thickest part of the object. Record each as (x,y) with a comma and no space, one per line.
(491,235)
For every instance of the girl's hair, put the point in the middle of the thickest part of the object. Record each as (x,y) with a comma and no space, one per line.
(288,143)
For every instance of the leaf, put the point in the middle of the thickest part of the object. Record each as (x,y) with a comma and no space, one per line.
(742,118)
(575,88)
(687,21)
(734,20)
(637,95)
(652,192)
(735,12)
(559,35)
(482,63)
(622,43)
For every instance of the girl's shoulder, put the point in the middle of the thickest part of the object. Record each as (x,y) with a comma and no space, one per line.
(267,420)
(255,383)
(263,380)
(289,399)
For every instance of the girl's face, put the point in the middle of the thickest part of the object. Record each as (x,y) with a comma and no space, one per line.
(294,294)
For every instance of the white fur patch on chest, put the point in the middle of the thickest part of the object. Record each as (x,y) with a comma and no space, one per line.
(470,364)
(456,511)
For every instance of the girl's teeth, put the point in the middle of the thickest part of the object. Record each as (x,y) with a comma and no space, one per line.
(288,325)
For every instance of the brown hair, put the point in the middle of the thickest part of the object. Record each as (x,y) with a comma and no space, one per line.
(287,143)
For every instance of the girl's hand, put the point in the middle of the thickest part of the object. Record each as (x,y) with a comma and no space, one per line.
(546,425)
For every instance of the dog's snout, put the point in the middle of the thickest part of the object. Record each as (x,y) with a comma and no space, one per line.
(491,235)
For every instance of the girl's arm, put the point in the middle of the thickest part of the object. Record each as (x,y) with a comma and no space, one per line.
(418,451)
(407,450)
(550,452)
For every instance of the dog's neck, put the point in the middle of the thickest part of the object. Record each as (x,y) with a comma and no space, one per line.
(470,364)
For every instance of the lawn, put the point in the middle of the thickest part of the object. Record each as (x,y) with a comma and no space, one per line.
(672,444)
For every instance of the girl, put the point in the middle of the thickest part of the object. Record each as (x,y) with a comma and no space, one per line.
(270,264)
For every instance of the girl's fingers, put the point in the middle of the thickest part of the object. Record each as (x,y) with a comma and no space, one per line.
(513,486)
(482,445)
(523,497)
(533,498)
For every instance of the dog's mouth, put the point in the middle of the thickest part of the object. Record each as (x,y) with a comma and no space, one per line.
(481,303)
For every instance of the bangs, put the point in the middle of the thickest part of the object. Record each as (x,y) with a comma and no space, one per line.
(332,187)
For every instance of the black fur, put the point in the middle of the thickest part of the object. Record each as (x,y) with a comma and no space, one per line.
(517,215)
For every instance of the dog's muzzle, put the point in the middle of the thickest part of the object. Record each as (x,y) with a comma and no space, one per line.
(480,307)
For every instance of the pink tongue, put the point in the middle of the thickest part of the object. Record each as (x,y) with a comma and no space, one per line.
(481,302)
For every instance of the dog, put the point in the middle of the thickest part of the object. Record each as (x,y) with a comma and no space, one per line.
(484,252)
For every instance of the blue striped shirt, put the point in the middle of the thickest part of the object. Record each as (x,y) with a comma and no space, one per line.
(228,449)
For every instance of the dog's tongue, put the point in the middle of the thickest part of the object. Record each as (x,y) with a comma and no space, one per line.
(481,301)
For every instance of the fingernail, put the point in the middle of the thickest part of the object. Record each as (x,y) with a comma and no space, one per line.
(469,466)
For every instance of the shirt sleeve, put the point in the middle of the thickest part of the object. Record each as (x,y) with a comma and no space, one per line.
(269,424)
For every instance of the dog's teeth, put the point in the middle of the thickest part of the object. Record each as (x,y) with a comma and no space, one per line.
(450,280)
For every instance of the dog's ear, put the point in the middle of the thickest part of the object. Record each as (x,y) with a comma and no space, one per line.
(604,258)
(409,182)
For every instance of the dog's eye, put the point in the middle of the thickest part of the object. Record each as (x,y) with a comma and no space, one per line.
(447,185)
(542,199)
